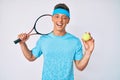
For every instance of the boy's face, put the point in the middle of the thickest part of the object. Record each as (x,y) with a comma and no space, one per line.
(60,21)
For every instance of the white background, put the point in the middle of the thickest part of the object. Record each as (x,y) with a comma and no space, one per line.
(100,17)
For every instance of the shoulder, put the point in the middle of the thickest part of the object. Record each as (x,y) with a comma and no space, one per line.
(76,39)
(44,36)
(73,37)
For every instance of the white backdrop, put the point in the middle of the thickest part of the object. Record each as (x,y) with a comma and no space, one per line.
(100,17)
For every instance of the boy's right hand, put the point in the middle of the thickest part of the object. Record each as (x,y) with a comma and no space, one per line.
(23,37)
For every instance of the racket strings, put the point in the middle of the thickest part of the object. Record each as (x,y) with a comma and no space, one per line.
(43,25)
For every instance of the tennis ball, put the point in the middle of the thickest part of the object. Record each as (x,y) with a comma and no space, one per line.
(86,36)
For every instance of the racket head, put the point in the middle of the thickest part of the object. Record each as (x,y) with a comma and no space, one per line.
(43,24)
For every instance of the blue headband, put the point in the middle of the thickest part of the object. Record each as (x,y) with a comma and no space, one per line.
(61,11)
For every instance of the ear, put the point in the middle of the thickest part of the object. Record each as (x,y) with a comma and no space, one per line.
(68,20)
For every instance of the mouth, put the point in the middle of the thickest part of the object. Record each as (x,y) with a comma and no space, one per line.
(59,24)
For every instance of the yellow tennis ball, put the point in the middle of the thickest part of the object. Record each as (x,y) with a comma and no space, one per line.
(86,36)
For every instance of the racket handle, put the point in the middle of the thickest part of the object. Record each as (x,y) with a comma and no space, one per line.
(17,41)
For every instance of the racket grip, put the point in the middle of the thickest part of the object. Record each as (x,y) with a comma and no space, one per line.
(17,41)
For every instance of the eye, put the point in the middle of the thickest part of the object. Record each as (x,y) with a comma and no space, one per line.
(65,17)
(56,16)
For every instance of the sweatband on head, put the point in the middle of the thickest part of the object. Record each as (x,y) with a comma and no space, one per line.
(61,11)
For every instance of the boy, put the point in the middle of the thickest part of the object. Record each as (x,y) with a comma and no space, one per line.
(59,48)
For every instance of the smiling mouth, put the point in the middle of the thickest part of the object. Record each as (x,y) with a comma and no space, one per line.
(59,24)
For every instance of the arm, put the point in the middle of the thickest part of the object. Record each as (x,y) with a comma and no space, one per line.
(26,52)
(89,46)
(81,64)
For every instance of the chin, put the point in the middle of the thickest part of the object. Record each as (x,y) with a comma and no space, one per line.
(60,30)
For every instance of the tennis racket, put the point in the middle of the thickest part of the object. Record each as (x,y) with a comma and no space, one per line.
(42,26)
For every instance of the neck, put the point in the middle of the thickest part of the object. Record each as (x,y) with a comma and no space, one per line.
(59,33)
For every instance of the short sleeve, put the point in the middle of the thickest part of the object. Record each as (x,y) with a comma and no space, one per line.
(78,51)
(36,51)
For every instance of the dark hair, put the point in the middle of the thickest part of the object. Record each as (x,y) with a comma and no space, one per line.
(62,5)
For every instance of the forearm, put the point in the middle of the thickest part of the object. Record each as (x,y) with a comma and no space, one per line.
(26,52)
(81,65)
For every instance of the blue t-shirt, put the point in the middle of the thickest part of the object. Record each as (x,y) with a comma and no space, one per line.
(59,54)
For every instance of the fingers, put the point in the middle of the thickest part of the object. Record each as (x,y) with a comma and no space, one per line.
(89,44)
(23,37)
(90,37)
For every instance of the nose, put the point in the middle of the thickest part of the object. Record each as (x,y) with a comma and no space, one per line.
(60,19)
